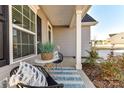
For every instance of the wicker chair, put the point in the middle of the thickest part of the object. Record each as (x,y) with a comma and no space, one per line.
(51,82)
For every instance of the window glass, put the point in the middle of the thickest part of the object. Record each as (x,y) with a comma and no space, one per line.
(16,36)
(31,49)
(18,7)
(16,51)
(23,42)
(32,27)
(31,44)
(24,38)
(31,39)
(16,43)
(16,17)
(26,23)
(32,16)
(49,33)
(25,50)
(26,11)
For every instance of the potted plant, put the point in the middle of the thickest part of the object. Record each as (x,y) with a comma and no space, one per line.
(46,50)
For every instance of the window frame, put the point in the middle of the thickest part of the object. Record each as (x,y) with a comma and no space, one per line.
(14,26)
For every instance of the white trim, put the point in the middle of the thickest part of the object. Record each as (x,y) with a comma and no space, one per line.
(10,35)
(89,23)
(22,29)
(48,24)
(85,9)
(72,21)
(34,8)
(35,40)
(23,58)
(78,39)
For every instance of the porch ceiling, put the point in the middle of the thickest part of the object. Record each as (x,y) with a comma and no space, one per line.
(59,15)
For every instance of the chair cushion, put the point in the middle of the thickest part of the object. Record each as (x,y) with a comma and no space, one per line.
(56,55)
(29,75)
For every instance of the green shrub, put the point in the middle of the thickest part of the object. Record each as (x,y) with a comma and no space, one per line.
(92,57)
(111,72)
(46,47)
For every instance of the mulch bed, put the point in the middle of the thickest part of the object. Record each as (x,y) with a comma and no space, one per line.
(93,71)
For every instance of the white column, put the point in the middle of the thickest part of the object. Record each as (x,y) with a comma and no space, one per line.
(78,39)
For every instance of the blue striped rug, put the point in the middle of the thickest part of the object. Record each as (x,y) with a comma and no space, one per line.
(68,76)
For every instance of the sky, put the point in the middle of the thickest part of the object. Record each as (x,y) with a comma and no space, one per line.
(110,20)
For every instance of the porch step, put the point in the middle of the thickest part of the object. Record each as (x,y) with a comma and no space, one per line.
(68,76)
(70,84)
(63,68)
(63,72)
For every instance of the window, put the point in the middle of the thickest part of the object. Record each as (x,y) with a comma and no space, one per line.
(49,34)
(23,41)
(24,17)
(39,29)
(17,17)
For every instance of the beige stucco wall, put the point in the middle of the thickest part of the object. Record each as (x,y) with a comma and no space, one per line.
(85,40)
(66,38)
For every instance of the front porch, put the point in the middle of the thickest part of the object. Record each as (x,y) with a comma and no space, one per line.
(67,74)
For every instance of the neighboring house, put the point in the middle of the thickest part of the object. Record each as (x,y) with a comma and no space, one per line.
(23,26)
(117,38)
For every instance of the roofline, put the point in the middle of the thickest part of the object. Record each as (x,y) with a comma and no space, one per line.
(89,23)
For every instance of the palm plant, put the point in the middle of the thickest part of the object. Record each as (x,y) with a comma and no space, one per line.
(92,57)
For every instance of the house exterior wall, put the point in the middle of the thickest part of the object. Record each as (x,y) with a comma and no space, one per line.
(85,40)
(66,38)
